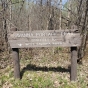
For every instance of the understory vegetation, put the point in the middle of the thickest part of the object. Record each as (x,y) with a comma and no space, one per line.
(41,68)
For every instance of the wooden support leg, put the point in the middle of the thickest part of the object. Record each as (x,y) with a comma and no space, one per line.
(16,63)
(74,57)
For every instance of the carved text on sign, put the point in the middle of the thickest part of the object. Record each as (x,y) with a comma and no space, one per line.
(49,38)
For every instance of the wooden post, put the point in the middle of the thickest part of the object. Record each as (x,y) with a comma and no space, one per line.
(74,56)
(16,63)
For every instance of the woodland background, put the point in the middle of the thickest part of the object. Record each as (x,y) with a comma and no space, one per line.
(29,15)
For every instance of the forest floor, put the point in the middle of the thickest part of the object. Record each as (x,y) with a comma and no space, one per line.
(43,68)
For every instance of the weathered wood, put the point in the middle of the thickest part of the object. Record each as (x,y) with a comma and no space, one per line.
(47,38)
(49,31)
(74,57)
(13,29)
(16,63)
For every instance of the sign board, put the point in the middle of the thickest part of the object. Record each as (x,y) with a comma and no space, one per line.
(43,38)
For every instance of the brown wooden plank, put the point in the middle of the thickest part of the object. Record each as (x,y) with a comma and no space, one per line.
(38,33)
(74,57)
(47,38)
(16,63)
(47,31)
(22,44)
(55,36)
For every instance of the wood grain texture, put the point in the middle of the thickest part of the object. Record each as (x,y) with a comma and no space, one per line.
(74,57)
(47,38)
(16,63)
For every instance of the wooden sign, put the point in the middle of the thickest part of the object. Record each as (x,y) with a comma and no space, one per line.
(43,38)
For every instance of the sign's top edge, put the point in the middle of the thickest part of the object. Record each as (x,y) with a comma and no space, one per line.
(66,30)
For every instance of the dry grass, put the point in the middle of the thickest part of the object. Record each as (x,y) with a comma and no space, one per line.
(42,68)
